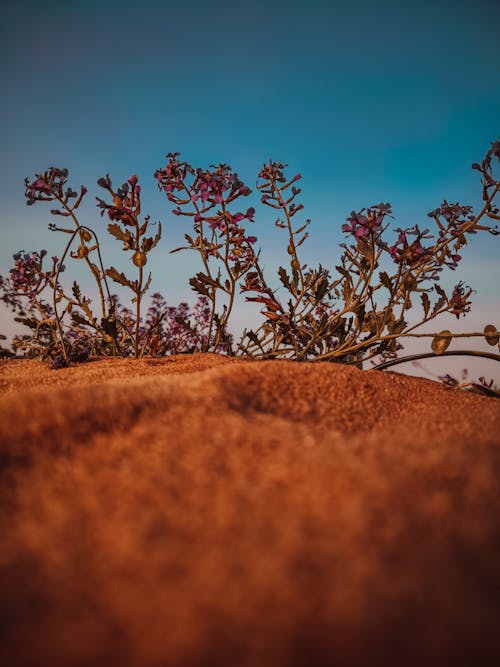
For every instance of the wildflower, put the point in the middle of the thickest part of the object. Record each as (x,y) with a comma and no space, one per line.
(126,204)
(410,254)
(363,226)
(27,275)
(252,283)
(459,303)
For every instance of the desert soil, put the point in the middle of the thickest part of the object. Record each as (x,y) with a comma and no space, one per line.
(202,511)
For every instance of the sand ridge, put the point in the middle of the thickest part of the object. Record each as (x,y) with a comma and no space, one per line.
(208,511)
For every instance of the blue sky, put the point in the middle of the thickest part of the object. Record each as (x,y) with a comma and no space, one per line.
(370,101)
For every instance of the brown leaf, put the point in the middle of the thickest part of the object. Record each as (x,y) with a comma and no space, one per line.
(116,231)
(119,278)
(386,281)
(426,304)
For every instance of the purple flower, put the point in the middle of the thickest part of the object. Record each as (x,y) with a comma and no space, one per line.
(459,303)
(363,226)
(410,254)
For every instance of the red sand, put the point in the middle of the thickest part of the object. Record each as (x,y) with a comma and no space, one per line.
(202,511)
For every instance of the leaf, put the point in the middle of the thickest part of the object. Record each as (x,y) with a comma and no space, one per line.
(365,249)
(199,287)
(252,336)
(306,235)
(301,229)
(84,304)
(77,318)
(410,282)
(426,304)
(321,289)
(30,322)
(146,286)
(208,280)
(119,278)
(345,273)
(109,325)
(441,301)
(149,243)
(397,326)
(441,342)
(119,233)
(273,317)
(491,334)
(95,271)
(347,292)
(440,290)
(386,281)
(360,316)
(76,291)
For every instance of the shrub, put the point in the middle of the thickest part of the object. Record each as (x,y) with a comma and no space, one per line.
(351,313)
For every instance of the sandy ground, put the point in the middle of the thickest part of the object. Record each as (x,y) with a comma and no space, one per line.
(202,511)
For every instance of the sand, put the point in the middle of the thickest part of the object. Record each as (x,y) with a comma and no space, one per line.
(203,511)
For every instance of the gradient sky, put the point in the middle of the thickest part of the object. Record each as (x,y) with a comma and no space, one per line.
(370,101)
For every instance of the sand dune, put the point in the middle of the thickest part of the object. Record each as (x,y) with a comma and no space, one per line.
(200,511)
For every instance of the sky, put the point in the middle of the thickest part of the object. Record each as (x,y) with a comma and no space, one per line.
(370,101)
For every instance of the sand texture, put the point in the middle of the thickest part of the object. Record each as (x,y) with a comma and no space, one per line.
(200,511)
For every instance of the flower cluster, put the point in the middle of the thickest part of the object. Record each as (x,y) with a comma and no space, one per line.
(274,171)
(173,176)
(367,223)
(459,303)
(169,330)
(26,274)
(126,204)
(455,215)
(28,277)
(205,196)
(210,188)
(125,209)
(49,186)
(218,184)
(410,254)
(79,344)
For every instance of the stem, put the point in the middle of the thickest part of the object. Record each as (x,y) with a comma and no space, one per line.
(459,232)
(283,206)
(89,263)
(430,355)
(138,295)
(207,269)
(370,342)
(54,289)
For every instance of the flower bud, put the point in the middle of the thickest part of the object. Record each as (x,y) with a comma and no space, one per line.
(139,258)
(82,252)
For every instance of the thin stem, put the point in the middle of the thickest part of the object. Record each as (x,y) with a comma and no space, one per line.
(431,355)
(89,263)
(54,290)
(138,292)
(204,259)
